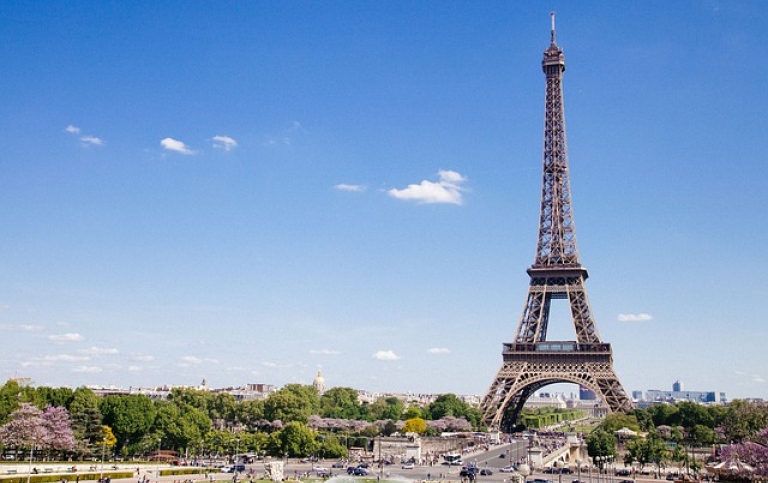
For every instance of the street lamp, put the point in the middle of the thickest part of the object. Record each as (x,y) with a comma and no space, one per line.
(103,448)
(559,466)
(237,449)
(598,459)
(31,452)
(157,472)
(578,468)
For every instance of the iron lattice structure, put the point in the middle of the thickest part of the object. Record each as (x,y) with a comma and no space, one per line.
(531,362)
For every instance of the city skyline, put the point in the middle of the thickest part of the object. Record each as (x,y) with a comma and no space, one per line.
(247,192)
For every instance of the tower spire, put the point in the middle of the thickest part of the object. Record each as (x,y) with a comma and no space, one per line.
(552,16)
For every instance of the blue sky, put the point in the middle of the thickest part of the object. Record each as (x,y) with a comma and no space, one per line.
(247,191)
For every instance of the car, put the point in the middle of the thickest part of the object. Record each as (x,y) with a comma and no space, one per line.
(508,469)
(626,481)
(320,469)
(540,480)
(623,472)
(360,472)
(408,466)
(502,456)
(566,471)
(672,477)
(486,472)
(338,464)
(550,470)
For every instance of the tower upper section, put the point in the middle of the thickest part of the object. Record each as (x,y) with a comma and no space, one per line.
(556,246)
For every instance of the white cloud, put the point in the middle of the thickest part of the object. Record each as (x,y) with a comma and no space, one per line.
(756,378)
(224,142)
(386,356)
(91,141)
(447,190)
(36,363)
(173,145)
(98,351)
(354,188)
(324,352)
(439,350)
(142,358)
(187,361)
(72,129)
(88,369)
(70,337)
(275,365)
(22,327)
(134,368)
(634,317)
(66,358)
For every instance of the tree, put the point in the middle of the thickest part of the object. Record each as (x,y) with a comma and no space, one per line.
(58,434)
(9,399)
(413,411)
(291,404)
(130,417)
(86,420)
(415,425)
(295,439)
(387,408)
(341,403)
(743,419)
(616,421)
(25,427)
(601,443)
(331,447)
(107,436)
(250,412)
(702,435)
(180,426)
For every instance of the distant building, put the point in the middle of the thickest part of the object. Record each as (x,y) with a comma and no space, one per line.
(319,382)
(677,386)
(654,395)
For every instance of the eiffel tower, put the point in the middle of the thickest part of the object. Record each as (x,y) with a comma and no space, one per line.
(531,361)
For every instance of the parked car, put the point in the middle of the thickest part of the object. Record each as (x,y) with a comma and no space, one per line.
(360,472)
(467,473)
(408,466)
(623,472)
(486,472)
(508,469)
(338,464)
(320,469)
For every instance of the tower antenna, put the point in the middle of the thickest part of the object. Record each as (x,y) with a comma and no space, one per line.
(552,15)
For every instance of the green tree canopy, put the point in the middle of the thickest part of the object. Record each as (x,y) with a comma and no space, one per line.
(601,443)
(130,417)
(384,408)
(295,439)
(340,403)
(292,403)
